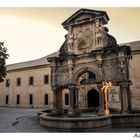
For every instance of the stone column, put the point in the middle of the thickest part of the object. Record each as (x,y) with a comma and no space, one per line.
(54,111)
(99,62)
(59,101)
(129,100)
(125,98)
(124,82)
(101,96)
(76,106)
(77,97)
(71,111)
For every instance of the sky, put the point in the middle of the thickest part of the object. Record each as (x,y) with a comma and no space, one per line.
(32,33)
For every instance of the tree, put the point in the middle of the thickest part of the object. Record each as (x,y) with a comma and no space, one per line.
(3,57)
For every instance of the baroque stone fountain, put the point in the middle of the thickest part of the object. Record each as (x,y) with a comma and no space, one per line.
(90,78)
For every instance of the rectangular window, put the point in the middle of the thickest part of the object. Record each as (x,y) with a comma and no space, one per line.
(30,99)
(92,76)
(46,79)
(18,81)
(46,99)
(66,99)
(7,99)
(31,80)
(18,99)
(7,82)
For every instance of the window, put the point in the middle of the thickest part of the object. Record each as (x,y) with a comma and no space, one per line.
(30,99)
(7,82)
(31,80)
(46,79)
(46,99)
(92,76)
(18,81)
(7,99)
(18,99)
(67,99)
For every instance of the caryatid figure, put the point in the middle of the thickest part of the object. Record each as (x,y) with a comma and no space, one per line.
(99,34)
(70,39)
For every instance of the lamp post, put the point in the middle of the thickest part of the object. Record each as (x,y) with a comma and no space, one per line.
(106,86)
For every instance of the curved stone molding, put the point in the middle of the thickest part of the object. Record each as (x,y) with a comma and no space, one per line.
(74,124)
(89,123)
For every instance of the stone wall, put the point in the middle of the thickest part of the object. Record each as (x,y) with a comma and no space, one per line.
(134,70)
(135,77)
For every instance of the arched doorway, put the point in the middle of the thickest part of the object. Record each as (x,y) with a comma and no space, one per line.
(93,98)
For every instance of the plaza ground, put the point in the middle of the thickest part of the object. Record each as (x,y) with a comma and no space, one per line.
(14,120)
(20,120)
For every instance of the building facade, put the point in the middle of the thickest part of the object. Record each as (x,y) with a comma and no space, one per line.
(32,84)
(27,85)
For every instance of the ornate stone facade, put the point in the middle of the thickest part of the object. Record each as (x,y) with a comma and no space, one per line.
(93,57)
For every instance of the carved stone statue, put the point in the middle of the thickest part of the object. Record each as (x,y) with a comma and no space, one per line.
(122,70)
(70,39)
(98,33)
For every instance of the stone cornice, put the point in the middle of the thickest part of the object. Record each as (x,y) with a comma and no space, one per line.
(28,68)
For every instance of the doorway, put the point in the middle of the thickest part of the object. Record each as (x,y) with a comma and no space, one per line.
(93,98)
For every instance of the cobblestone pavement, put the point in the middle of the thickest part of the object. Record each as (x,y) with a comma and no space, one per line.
(26,120)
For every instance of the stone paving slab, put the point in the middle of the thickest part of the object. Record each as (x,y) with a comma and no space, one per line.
(19,120)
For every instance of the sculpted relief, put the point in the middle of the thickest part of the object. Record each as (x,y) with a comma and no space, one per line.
(101,35)
(70,39)
(81,38)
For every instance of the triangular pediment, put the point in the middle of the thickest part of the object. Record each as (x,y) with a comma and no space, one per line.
(85,14)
